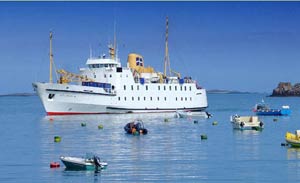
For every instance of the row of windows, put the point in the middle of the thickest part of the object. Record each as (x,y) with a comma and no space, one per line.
(101,65)
(151,98)
(111,75)
(170,88)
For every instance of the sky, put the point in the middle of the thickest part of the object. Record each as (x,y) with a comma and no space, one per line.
(245,46)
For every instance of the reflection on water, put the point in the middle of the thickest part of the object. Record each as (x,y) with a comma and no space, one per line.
(163,152)
(293,153)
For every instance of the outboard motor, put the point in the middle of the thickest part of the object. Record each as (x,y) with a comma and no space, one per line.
(242,124)
(208,115)
(261,124)
(97,162)
(145,131)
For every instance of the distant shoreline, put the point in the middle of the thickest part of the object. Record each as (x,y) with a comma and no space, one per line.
(216,91)
(18,95)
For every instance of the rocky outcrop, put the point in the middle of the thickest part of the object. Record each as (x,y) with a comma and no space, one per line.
(285,89)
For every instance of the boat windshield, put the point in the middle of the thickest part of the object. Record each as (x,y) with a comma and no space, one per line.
(262,107)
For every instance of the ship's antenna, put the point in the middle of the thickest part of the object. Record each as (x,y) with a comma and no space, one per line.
(91,52)
(167,59)
(51,59)
(115,39)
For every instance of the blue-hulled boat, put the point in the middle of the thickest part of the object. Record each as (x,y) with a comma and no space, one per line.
(264,109)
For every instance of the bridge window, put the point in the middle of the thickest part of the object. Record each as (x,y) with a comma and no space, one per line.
(131,87)
(104,75)
(124,87)
(137,87)
(170,88)
(165,98)
(190,98)
(119,98)
(125,98)
(138,98)
(190,88)
(146,87)
(180,88)
(185,99)
(164,87)
(176,98)
(157,98)
(144,98)
(132,98)
(110,76)
(151,98)
(158,87)
(184,88)
(175,88)
(181,98)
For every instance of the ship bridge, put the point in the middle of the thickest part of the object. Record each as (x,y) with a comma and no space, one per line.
(102,63)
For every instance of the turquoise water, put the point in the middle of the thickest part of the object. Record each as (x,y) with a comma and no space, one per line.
(171,152)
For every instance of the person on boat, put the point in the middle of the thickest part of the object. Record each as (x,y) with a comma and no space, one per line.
(128,127)
(139,128)
(133,128)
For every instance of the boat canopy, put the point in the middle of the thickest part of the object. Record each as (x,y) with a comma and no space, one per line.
(297,133)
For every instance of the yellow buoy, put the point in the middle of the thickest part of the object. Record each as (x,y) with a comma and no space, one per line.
(100,126)
(166,120)
(57,139)
(215,123)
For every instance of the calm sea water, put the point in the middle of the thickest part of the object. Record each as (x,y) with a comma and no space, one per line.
(172,151)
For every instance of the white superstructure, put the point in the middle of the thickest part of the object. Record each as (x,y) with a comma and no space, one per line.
(104,86)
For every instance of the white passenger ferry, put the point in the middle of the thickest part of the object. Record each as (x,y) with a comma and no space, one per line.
(104,86)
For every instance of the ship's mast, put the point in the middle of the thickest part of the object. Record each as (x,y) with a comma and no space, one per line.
(167,59)
(112,48)
(51,59)
(115,38)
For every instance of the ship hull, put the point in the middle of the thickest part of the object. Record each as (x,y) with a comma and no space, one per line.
(61,99)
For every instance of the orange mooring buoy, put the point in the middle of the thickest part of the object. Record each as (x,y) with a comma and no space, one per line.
(54,165)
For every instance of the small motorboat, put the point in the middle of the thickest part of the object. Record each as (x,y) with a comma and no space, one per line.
(183,114)
(136,128)
(187,114)
(264,109)
(293,139)
(88,163)
(246,122)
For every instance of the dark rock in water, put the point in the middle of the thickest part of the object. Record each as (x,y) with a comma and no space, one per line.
(284,144)
(285,89)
